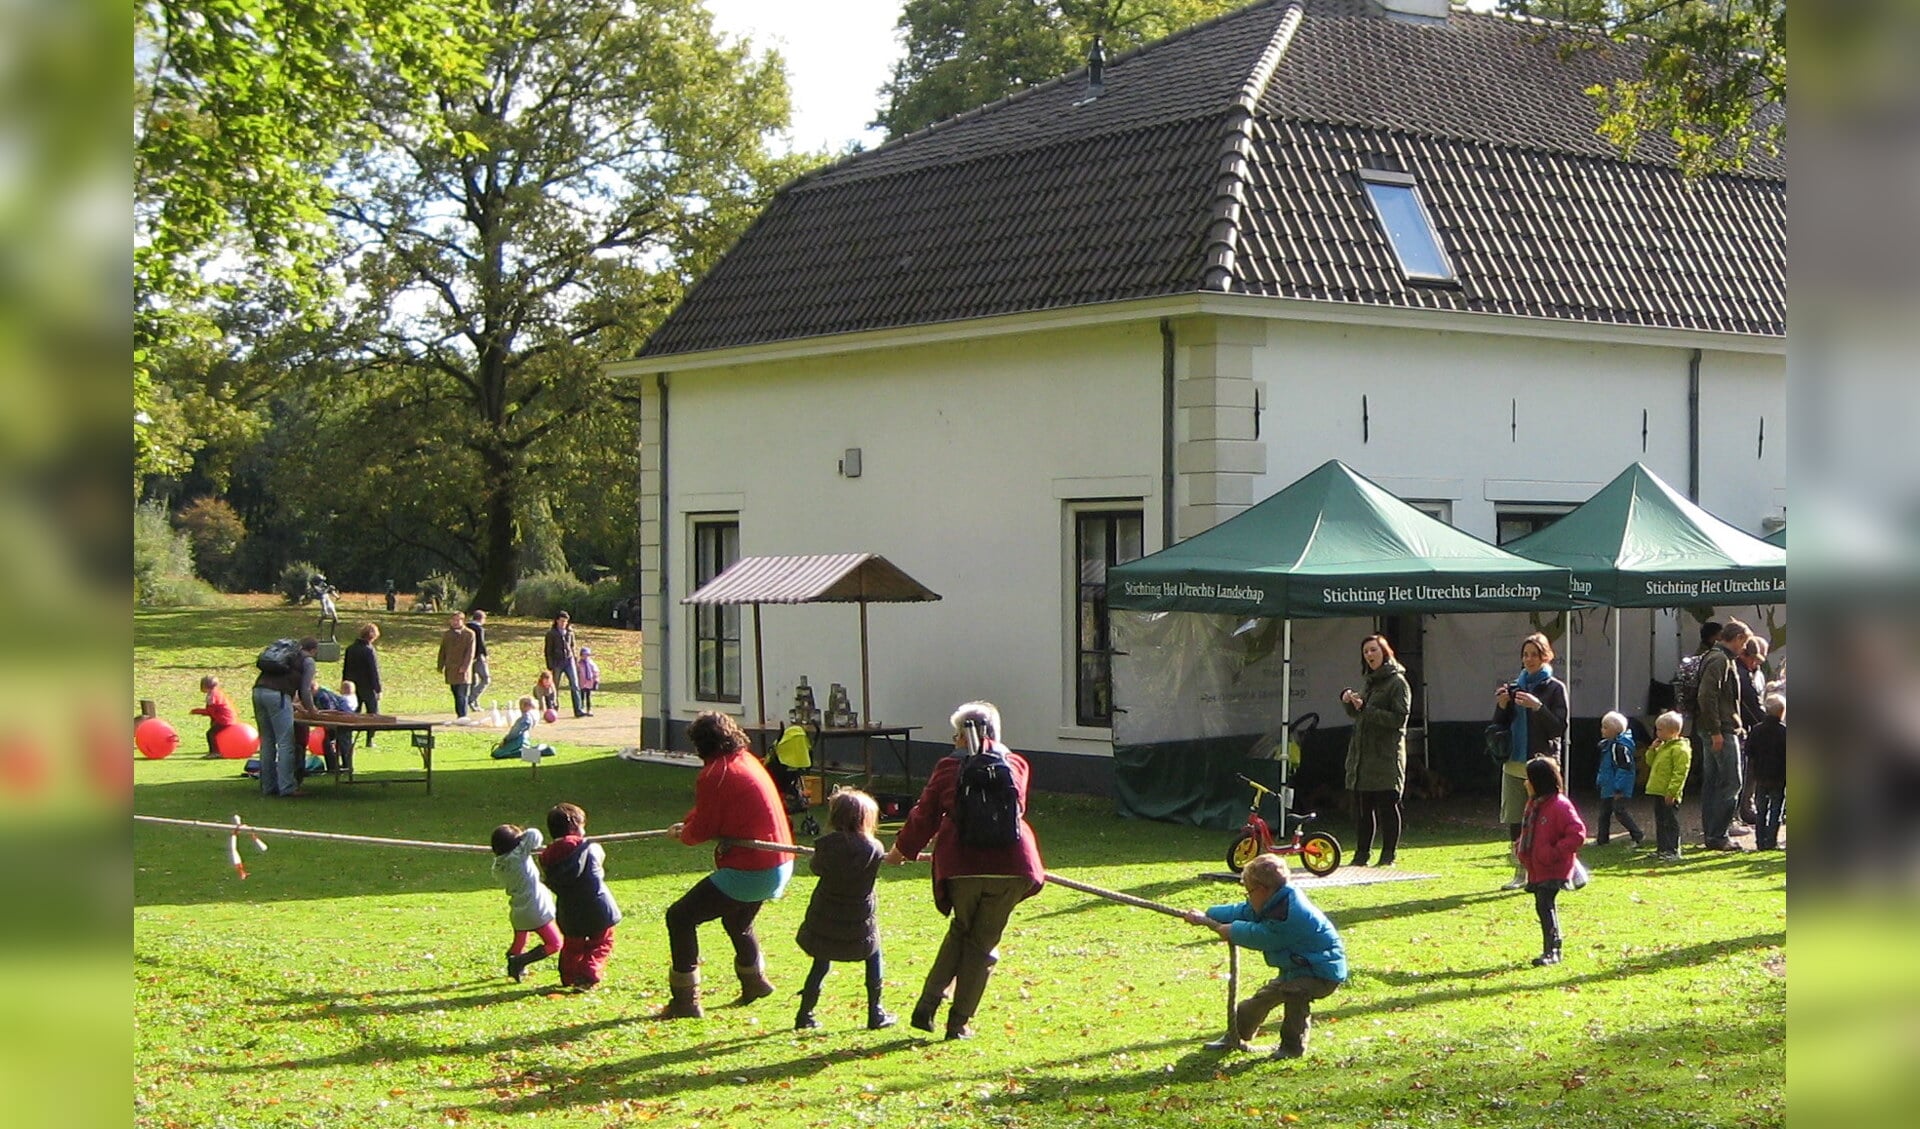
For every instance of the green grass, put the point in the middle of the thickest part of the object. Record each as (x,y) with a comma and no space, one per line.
(350,985)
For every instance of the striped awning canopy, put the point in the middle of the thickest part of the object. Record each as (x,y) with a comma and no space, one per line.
(842,578)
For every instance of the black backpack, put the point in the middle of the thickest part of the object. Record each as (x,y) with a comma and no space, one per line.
(1686,684)
(986,807)
(281,657)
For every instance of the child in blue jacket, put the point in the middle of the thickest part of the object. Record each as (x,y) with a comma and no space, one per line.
(1615,779)
(1295,937)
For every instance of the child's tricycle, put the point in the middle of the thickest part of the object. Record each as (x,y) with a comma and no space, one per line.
(1318,851)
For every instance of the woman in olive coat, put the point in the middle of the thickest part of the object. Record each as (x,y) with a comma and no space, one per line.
(1377,753)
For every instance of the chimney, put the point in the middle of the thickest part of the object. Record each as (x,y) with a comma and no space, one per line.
(1415,11)
(1096,69)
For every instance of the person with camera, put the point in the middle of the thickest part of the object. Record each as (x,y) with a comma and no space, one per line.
(1533,710)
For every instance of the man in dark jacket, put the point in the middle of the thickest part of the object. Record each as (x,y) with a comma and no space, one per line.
(1717,735)
(482,677)
(559,656)
(360,665)
(283,750)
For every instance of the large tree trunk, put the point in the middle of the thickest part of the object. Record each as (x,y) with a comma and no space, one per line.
(500,548)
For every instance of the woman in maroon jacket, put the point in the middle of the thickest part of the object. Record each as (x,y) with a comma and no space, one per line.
(1551,833)
(976,887)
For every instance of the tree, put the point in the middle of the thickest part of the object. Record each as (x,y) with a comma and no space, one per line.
(535,226)
(214,529)
(1713,80)
(964,53)
(241,109)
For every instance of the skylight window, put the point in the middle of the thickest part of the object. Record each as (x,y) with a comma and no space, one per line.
(1396,201)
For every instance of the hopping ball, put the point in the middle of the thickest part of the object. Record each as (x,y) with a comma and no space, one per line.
(550,716)
(156,738)
(317,741)
(237,742)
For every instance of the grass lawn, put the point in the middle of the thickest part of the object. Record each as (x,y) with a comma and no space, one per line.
(353,985)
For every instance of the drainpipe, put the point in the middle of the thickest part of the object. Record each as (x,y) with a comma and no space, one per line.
(1693,427)
(1166,432)
(666,609)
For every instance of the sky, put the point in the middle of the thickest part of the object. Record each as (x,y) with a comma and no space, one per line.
(838,55)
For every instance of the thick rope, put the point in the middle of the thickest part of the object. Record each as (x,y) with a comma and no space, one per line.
(1115,895)
(237,827)
(763,845)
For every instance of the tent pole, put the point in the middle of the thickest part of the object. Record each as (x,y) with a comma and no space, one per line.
(1286,688)
(866,698)
(759,675)
(1566,742)
(1619,640)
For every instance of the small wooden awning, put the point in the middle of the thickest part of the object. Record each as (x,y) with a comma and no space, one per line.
(844,578)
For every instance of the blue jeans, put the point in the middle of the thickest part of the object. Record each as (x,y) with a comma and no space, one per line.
(565,670)
(1719,786)
(273,717)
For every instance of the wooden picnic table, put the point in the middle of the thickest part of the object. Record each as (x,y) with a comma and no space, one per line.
(420,736)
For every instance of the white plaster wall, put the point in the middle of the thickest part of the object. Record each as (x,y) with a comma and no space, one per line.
(966,451)
(1441,408)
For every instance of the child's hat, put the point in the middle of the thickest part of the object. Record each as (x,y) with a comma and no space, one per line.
(586,650)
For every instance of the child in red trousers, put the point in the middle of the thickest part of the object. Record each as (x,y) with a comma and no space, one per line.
(574,868)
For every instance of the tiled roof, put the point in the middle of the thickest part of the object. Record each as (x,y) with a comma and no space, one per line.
(1193,159)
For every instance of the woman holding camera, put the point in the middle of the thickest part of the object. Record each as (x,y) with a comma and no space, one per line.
(1533,710)
(1377,753)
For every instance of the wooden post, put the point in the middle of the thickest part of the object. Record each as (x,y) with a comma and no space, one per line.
(760,681)
(1231,1041)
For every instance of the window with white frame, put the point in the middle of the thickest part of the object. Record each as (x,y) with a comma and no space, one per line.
(1104,534)
(1409,226)
(1440,510)
(1515,520)
(716,628)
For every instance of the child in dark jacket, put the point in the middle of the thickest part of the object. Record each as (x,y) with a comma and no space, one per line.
(840,922)
(584,907)
(1615,778)
(1295,937)
(1767,755)
(1551,833)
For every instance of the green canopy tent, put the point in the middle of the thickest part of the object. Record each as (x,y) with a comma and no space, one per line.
(1777,537)
(1332,544)
(1638,543)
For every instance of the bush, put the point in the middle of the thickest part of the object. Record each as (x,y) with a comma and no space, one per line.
(441,592)
(216,531)
(596,608)
(296,582)
(546,594)
(163,563)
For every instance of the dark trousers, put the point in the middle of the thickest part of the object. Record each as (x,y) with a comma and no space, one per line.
(1771,806)
(1666,826)
(704,903)
(369,703)
(1611,806)
(817,975)
(460,694)
(1382,807)
(583,960)
(1544,907)
(213,739)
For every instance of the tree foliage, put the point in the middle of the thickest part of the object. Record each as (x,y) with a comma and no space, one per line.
(1714,79)
(214,529)
(241,110)
(964,53)
(532,227)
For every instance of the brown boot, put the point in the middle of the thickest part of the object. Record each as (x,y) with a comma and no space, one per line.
(685,1003)
(754,984)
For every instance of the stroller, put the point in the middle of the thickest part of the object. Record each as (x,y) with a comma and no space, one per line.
(791,757)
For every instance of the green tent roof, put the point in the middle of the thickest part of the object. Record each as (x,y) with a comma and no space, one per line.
(1335,544)
(1639,544)
(1777,537)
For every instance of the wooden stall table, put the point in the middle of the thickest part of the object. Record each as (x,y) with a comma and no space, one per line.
(420,736)
(898,740)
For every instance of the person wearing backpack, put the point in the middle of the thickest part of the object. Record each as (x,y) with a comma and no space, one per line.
(286,676)
(986,860)
(1686,676)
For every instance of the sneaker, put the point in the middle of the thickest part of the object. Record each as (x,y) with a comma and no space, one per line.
(879,1019)
(921,1021)
(1386,861)
(1517,882)
(1668,856)
(805,1022)
(1358,860)
(964,1031)
(1551,956)
(1638,840)
(1289,1050)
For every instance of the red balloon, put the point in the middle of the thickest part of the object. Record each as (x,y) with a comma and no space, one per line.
(156,738)
(237,742)
(317,741)
(550,716)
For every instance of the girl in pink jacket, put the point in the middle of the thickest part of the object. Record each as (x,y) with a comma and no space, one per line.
(1551,833)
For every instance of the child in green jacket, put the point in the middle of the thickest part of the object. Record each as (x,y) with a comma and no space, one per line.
(1667,765)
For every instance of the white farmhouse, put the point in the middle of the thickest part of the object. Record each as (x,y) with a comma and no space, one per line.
(1107,313)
